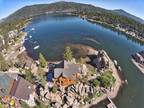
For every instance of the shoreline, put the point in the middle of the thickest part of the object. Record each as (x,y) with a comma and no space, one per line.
(115,90)
(119,81)
(137,65)
(137,38)
(115,73)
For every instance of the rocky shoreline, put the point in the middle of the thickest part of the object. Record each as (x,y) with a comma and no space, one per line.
(87,50)
(128,33)
(116,73)
(116,87)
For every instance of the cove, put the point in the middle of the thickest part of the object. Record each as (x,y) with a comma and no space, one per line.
(53,32)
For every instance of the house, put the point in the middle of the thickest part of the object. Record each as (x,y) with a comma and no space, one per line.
(13,85)
(21,89)
(6,83)
(66,73)
(12,33)
(100,61)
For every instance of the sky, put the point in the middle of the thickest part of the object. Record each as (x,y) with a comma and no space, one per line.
(135,7)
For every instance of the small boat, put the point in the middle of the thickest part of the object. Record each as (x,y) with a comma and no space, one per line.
(126,81)
(33,29)
(36,47)
(35,42)
(30,36)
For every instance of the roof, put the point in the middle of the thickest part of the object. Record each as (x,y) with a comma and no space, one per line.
(22,89)
(71,70)
(13,85)
(6,83)
(67,70)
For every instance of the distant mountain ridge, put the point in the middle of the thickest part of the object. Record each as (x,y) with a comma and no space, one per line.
(33,10)
(126,14)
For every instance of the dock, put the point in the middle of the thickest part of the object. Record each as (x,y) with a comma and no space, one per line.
(111,104)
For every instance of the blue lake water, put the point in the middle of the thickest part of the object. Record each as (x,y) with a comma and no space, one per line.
(53,32)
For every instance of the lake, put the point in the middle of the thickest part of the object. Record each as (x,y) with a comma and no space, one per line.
(51,33)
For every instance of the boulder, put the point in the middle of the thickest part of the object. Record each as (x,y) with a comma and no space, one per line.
(84,70)
(57,105)
(65,106)
(75,104)
(115,63)
(83,91)
(70,100)
(80,88)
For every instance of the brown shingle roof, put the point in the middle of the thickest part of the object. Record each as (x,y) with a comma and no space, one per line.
(68,70)
(22,89)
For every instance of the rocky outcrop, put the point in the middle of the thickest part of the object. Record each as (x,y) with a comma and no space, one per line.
(84,70)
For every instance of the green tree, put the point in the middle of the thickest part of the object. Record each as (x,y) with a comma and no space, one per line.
(24,104)
(3,64)
(42,61)
(68,54)
(40,104)
(107,79)
(81,60)
(96,83)
(29,76)
(41,75)
(54,89)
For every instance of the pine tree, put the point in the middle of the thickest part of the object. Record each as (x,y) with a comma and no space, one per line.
(68,54)
(42,61)
(3,64)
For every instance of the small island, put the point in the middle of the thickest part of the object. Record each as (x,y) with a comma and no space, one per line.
(138,60)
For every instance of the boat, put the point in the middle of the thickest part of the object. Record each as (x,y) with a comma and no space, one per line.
(35,42)
(36,47)
(30,36)
(33,29)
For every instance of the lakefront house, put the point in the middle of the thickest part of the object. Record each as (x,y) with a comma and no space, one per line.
(66,73)
(14,86)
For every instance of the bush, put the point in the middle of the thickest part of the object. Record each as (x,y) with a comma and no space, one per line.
(40,104)
(54,89)
(107,79)
(29,76)
(3,64)
(23,104)
(96,83)
(81,60)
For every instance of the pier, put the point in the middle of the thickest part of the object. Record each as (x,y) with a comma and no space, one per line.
(111,104)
